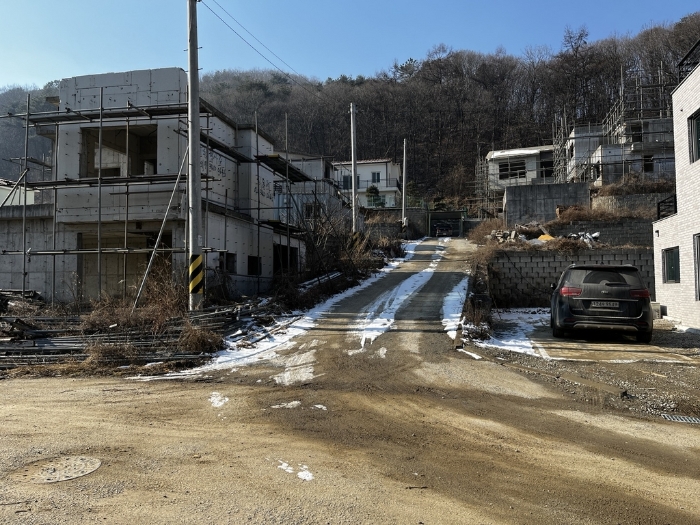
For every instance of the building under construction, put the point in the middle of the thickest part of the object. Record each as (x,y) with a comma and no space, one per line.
(113,195)
(635,140)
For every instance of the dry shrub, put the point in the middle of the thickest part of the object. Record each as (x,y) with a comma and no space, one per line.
(575,214)
(161,300)
(102,354)
(478,233)
(634,185)
(564,245)
(197,340)
(390,247)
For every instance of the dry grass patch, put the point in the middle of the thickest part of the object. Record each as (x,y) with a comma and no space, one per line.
(478,233)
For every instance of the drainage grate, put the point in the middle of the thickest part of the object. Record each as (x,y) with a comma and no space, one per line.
(58,469)
(682,419)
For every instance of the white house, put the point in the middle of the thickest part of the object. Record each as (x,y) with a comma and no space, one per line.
(119,183)
(382,174)
(516,167)
(677,237)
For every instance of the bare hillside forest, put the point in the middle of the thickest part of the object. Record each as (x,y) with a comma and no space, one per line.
(453,106)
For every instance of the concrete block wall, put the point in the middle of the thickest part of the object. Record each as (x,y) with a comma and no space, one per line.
(539,202)
(614,203)
(637,232)
(388,224)
(523,278)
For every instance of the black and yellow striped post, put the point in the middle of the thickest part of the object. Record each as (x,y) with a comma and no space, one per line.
(196,273)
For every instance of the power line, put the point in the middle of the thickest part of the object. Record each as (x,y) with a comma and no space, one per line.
(256,39)
(260,53)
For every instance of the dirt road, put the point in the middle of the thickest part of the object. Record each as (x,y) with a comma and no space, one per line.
(402,429)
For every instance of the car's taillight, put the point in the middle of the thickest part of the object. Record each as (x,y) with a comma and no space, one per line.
(639,294)
(570,291)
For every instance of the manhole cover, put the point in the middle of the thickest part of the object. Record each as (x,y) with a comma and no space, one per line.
(682,419)
(57,469)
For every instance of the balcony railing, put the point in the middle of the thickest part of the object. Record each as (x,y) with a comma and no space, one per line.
(666,207)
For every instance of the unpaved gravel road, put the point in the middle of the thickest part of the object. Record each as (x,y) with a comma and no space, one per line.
(415,433)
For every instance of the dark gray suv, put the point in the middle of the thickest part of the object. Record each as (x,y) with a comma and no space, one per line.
(602,297)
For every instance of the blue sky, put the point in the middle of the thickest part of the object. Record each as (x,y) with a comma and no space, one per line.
(44,40)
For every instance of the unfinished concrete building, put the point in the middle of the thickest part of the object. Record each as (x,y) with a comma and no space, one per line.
(635,139)
(116,191)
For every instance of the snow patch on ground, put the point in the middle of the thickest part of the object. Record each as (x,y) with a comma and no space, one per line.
(298,367)
(217,400)
(268,346)
(513,327)
(303,473)
(452,307)
(472,354)
(291,404)
(380,315)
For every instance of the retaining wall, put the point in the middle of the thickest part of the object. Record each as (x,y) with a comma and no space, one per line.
(523,278)
(539,202)
(637,232)
(614,203)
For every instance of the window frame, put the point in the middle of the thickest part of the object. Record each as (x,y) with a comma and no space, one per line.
(671,265)
(694,136)
(696,252)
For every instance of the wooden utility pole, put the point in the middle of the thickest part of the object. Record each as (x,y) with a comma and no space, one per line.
(353,147)
(404,219)
(194,237)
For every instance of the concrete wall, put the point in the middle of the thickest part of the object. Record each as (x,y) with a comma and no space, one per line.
(523,278)
(614,203)
(389,225)
(681,298)
(635,232)
(524,204)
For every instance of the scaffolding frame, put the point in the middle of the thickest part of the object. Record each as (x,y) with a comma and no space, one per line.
(131,115)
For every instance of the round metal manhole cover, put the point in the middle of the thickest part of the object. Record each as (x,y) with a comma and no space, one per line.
(57,469)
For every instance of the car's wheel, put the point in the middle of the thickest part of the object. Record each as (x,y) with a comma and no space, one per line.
(556,332)
(644,337)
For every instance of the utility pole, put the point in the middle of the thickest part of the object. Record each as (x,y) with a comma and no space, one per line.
(196,263)
(353,147)
(404,219)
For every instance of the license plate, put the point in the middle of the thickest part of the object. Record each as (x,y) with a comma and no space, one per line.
(605,304)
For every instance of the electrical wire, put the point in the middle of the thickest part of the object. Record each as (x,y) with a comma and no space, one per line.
(287,75)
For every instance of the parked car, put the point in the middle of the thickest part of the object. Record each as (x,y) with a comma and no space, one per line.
(602,297)
(443,230)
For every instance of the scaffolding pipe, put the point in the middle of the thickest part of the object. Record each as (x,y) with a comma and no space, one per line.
(289,190)
(126,212)
(257,164)
(24,205)
(53,223)
(99,206)
(19,181)
(160,233)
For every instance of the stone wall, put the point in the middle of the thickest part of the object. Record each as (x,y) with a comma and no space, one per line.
(523,278)
(387,223)
(539,202)
(613,203)
(635,232)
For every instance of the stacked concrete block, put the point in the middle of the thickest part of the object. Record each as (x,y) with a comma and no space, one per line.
(523,279)
(634,232)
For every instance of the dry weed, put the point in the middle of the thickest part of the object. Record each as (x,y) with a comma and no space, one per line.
(102,354)
(634,185)
(478,233)
(197,340)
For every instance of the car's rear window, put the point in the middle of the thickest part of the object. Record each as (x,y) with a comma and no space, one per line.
(578,276)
